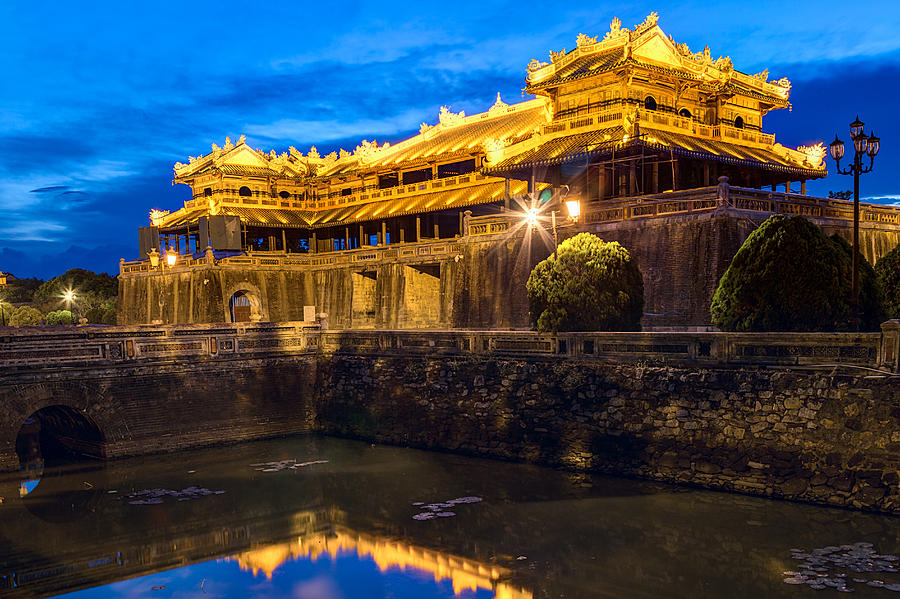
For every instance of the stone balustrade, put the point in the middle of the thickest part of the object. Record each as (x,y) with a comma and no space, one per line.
(56,347)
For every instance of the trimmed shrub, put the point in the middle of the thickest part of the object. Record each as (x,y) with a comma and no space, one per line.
(590,285)
(60,317)
(25,316)
(888,271)
(789,276)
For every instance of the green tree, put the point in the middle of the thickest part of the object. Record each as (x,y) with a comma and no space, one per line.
(6,310)
(789,276)
(60,317)
(589,285)
(888,271)
(20,291)
(25,316)
(102,313)
(90,290)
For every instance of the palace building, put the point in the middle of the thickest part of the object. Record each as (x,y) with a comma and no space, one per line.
(631,131)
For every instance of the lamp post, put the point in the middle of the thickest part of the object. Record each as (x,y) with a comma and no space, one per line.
(862,144)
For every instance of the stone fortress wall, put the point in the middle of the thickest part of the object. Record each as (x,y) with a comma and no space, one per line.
(476,281)
(812,417)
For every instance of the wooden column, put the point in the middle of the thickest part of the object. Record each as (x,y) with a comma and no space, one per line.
(284,241)
(418,228)
(383,240)
(803,187)
(706,180)
(362,236)
(436,231)
(314,244)
(654,177)
(347,238)
(402,235)
(506,194)
(787,187)
(601,181)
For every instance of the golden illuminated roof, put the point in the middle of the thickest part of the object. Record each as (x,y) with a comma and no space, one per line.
(241,160)
(455,135)
(647,47)
(579,147)
(489,191)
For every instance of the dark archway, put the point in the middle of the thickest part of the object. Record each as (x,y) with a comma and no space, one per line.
(685,113)
(59,435)
(61,459)
(241,307)
(650,103)
(245,192)
(739,123)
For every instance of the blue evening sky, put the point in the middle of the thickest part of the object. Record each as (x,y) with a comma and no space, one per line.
(100,98)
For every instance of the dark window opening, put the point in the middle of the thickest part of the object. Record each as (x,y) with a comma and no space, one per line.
(284,195)
(650,103)
(589,346)
(347,191)
(388,180)
(207,191)
(456,168)
(423,174)
(739,123)
(685,113)
(245,192)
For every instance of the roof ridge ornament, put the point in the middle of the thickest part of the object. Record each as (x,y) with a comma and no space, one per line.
(584,40)
(615,30)
(450,119)
(499,106)
(815,154)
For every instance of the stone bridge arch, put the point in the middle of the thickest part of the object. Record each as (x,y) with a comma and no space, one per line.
(65,421)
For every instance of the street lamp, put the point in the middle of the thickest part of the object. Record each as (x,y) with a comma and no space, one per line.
(171,258)
(862,144)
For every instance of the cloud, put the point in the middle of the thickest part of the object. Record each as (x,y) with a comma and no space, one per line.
(50,188)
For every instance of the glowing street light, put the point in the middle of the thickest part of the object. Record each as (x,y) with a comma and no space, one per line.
(69,296)
(171,259)
(862,144)
(574,208)
(531,216)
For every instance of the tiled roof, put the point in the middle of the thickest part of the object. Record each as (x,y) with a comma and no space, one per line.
(599,143)
(582,67)
(418,204)
(561,149)
(460,140)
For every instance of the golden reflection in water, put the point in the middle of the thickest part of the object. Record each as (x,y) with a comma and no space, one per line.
(465,574)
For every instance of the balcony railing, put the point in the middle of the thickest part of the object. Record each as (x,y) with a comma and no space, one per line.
(608,117)
(280,260)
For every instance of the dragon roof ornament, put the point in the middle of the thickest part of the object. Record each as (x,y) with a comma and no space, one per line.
(449,119)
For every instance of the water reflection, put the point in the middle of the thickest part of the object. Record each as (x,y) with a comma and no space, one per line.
(464,574)
(535,532)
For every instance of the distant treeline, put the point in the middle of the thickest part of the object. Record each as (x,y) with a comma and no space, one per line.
(74,297)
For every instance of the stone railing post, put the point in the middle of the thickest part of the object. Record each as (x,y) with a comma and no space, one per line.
(889,353)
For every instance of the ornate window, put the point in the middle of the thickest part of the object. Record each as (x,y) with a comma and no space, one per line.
(739,122)
(245,192)
(284,195)
(685,113)
(207,191)
(650,103)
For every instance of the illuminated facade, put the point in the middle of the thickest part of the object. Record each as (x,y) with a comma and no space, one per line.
(657,147)
(628,115)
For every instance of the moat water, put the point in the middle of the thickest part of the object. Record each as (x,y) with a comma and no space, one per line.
(323,518)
